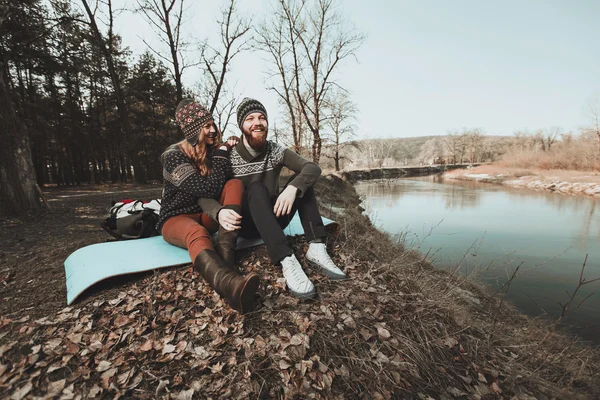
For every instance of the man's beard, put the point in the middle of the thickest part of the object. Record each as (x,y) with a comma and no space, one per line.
(258,141)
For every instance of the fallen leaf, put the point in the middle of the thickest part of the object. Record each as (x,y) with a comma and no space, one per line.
(123,379)
(495,388)
(184,395)
(456,392)
(96,345)
(54,388)
(169,348)
(383,333)
(71,348)
(181,346)
(21,393)
(365,334)
(218,367)
(201,352)
(162,385)
(283,364)
(147,346)
(52,344)
(121,320)
(450,342)
(68,394)
(103,366)
(109,373)
(94,391)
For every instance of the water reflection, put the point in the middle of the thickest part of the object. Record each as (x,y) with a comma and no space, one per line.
(490,229)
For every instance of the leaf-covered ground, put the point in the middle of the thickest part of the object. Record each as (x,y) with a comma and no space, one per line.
(396,329)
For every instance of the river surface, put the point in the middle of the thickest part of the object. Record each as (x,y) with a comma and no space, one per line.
(488,230)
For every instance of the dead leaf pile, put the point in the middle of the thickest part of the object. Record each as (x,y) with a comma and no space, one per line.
(391,331)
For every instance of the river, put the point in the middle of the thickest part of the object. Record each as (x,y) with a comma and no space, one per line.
(488,230)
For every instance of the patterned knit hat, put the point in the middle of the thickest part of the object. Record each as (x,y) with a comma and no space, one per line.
(249,106)
(191,116)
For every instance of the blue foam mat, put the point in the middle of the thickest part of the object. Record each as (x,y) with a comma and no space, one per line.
(92,264)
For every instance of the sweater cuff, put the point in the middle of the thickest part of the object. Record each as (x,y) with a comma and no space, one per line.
(300,185)
(210,207)
(221,153)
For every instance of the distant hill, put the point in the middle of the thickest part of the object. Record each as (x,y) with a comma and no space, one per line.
(421,150)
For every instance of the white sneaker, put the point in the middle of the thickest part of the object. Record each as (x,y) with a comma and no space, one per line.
(317,255)
(295,278)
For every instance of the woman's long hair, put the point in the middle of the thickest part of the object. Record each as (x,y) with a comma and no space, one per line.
(198,152)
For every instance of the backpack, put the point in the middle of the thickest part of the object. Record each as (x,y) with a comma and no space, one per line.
(132,219)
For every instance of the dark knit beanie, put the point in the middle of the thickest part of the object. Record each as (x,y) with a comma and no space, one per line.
(249,106)
(191,116)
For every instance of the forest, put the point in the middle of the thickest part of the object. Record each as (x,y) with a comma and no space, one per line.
(77,107)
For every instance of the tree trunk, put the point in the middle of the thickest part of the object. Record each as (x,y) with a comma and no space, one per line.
(17,174)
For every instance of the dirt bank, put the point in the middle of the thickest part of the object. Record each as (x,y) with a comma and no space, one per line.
(558,181)
(396,329)
(392,173)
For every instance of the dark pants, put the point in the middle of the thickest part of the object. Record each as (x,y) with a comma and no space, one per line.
(259,220)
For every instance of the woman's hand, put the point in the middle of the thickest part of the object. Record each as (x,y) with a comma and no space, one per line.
(229,219)
(285,201)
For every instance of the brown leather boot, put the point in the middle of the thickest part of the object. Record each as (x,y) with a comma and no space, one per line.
(236,289)
(226,241)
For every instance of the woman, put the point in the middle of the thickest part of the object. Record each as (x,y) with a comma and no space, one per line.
(195,168)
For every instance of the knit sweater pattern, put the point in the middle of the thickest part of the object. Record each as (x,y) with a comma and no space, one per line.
(184,185)
(265,167)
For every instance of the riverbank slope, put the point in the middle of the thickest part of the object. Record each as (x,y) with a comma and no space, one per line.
(559,181)
(396,329)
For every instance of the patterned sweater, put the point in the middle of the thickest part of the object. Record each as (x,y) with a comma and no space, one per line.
(266,167)
(184,185)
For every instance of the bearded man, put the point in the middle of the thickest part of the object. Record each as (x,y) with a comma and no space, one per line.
(266,211)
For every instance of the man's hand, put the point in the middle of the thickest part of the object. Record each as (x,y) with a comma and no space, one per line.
(283,205)
(229,219)
(232,141)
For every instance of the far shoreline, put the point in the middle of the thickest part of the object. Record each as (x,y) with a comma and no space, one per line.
(586,183)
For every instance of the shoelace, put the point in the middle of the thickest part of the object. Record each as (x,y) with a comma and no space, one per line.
(323,255)
(297,272)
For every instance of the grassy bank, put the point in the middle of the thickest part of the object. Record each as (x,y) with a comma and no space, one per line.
(396,329)
(560,181)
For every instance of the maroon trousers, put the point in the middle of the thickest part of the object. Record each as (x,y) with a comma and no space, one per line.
(193,231)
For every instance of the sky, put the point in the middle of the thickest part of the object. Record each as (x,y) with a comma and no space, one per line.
(430,66)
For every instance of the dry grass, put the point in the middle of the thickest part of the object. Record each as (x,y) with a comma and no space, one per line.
(576,154)
(442,338)
(507,172)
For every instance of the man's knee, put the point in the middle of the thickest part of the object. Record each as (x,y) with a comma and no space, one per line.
(257,189)
(309,192)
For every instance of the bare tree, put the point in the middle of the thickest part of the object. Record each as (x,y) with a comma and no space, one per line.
(548,136)
(475,143)
(594,112)
(453,143)
(342,113)
(522,139)
(314,39)
(167,17)
(234,39)
(276,37)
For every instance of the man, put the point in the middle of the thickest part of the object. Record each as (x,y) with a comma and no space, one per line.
(257,162)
